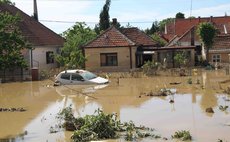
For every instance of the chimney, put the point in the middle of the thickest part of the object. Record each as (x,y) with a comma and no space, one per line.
(114,21)
(166,32)
(35,10)
(211,19)
(225,30)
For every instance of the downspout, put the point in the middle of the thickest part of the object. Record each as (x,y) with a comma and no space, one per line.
(31,58)
(173,53)
(130,55)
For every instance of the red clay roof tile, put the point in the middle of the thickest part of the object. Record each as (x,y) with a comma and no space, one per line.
(180,26)
(112,37)
(35,32)
(221,41)
(139,37)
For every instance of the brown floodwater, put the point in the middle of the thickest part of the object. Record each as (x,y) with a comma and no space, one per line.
(42,102)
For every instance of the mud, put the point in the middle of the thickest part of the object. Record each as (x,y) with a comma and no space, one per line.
(42,102)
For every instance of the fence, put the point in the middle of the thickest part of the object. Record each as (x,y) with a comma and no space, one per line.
(15,75)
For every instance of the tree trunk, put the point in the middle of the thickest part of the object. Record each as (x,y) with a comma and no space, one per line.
(207,54)
(203,54)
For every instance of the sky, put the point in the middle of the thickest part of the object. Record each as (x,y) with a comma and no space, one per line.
(60,15)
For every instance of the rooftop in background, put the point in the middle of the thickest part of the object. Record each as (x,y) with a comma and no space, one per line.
(180,26)
(35,32)
(112,37)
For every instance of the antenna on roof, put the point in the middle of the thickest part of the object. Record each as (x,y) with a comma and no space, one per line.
(35,10)
(191,9)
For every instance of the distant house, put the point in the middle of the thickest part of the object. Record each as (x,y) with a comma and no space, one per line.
(182,32)
(44,41)
(220,51)
(127,49)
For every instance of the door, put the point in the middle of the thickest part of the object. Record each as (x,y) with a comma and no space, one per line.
(77,79)
(65,78)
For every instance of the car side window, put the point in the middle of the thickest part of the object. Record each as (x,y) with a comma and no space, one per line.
(77,77)
(65,76)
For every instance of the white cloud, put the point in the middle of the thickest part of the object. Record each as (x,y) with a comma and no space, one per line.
(212,11)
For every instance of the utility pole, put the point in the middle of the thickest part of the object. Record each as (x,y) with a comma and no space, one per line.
(35,10)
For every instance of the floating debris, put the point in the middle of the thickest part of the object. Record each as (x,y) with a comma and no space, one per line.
(161,92)
(225,81)
(12,109)
(174,83)
(209,110)
(223,108)
(227,91)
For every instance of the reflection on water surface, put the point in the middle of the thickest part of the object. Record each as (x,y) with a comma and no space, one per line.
(43,101)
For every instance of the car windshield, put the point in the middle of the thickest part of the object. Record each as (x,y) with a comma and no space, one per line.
(88,75)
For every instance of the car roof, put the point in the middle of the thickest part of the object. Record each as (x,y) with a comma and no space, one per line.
(74,71)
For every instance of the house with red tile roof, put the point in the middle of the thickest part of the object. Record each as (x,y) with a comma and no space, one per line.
(182,32)
(126,49)
(220,51)
(44,41)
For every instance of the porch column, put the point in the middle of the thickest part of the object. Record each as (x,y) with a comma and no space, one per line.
(192,55)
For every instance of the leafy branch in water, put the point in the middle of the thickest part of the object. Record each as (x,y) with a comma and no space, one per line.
(183,135)
(101,126)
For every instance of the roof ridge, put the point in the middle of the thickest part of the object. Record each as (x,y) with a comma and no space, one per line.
(186,32)
(107,30)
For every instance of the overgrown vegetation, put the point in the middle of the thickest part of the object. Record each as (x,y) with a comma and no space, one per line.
(150,68)
(12,43)
(102,126)
(207,32)
(180,58)
(160,41)
(182,135)
(71,54)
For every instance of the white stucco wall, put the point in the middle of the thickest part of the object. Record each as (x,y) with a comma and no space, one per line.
(39,57)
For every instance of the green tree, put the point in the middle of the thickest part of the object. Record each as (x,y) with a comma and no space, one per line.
(164,22)
(71,54)
(153,29)
(180,58)
(206,32)
(161,42)
(7,2)
(180,15)
(11,43)
(104,22)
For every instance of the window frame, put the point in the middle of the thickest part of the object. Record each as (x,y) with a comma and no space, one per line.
(49,57)
(110,59)
(216,59)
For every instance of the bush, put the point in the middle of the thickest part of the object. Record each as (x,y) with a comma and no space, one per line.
(102,126)
(150,68)
(183,135)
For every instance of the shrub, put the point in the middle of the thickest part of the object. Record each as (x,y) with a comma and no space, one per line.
(183,135)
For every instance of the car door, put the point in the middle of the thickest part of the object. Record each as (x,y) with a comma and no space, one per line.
(65,78)
(77,79)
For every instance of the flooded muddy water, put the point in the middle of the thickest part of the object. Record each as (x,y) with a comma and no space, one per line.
(42,102)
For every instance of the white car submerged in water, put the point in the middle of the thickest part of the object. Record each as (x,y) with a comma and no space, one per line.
(79,77)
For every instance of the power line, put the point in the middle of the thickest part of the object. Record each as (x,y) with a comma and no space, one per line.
(91,22)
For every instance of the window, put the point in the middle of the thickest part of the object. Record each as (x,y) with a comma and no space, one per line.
(65,76)
(108,59)
(216,58)
(77,77)
(49,57)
